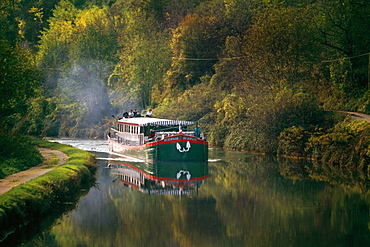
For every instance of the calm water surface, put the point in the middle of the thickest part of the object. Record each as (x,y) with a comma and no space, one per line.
(248,200)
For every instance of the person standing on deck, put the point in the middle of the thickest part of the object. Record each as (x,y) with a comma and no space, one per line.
(197,131)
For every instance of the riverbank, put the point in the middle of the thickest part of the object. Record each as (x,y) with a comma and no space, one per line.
(52,158)
(342,141)
(59,184)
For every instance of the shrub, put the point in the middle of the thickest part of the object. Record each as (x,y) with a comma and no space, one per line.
(292,141)
(255,122)
(345,145)
(16,154)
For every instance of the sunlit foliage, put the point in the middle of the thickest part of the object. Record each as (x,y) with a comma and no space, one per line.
(19,83)
(79,50)
(346,145)
(248,71)
(143,59)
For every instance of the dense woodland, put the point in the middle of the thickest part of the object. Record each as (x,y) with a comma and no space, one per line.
(258,75)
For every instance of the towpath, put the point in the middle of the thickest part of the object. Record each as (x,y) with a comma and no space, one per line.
(357,115)
(16,179)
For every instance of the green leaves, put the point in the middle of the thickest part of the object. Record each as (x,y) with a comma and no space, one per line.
(77,35)
(19,82)
(196,43)
(143,59)
(282,45)
(346,145)
(79,52)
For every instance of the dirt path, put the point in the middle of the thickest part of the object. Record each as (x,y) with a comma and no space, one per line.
(357,115)
(16,179)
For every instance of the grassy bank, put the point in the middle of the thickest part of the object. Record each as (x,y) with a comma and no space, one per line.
(46,194)
(17,153)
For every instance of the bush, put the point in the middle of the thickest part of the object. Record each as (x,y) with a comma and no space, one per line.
(255,124)
(345,145)
(292,141)
(17,154)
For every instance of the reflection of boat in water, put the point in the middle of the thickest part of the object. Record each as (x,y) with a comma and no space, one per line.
(154,139)
(161,178)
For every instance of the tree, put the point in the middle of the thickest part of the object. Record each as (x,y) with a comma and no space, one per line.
(144,59)
(19,83)
(25,20)
(78,51)
(196,44)
(343,25)
(282,46)
(176,10)
(94,35)
(55,42)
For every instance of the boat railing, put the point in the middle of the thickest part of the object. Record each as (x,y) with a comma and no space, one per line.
(129,138)
(140,139)
(172,133)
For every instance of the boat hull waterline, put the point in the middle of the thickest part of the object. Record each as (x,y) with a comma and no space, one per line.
(175,148)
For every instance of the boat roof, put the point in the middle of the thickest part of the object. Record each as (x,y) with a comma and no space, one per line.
(150,121)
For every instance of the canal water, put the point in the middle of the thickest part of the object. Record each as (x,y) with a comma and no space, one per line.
(247,200)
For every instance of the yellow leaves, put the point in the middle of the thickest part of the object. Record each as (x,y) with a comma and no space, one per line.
(38,12)
(358,127)
(92,16)
(231,106)
(21,27)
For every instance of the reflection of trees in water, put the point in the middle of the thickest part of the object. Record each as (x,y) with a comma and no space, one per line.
(260,207)
(245,202)
(127,217)
(343,203)
(34,232)
(349,179)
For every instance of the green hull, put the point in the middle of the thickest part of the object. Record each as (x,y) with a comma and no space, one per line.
(179,148)
(161,177)
(170,152)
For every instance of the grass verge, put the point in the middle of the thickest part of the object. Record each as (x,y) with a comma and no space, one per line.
(41,196)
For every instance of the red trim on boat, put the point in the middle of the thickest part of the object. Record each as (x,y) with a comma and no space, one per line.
(162,142)
(160,178)
(135,124)
(128,184)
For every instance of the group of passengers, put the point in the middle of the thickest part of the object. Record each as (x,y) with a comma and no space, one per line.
(136,113)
